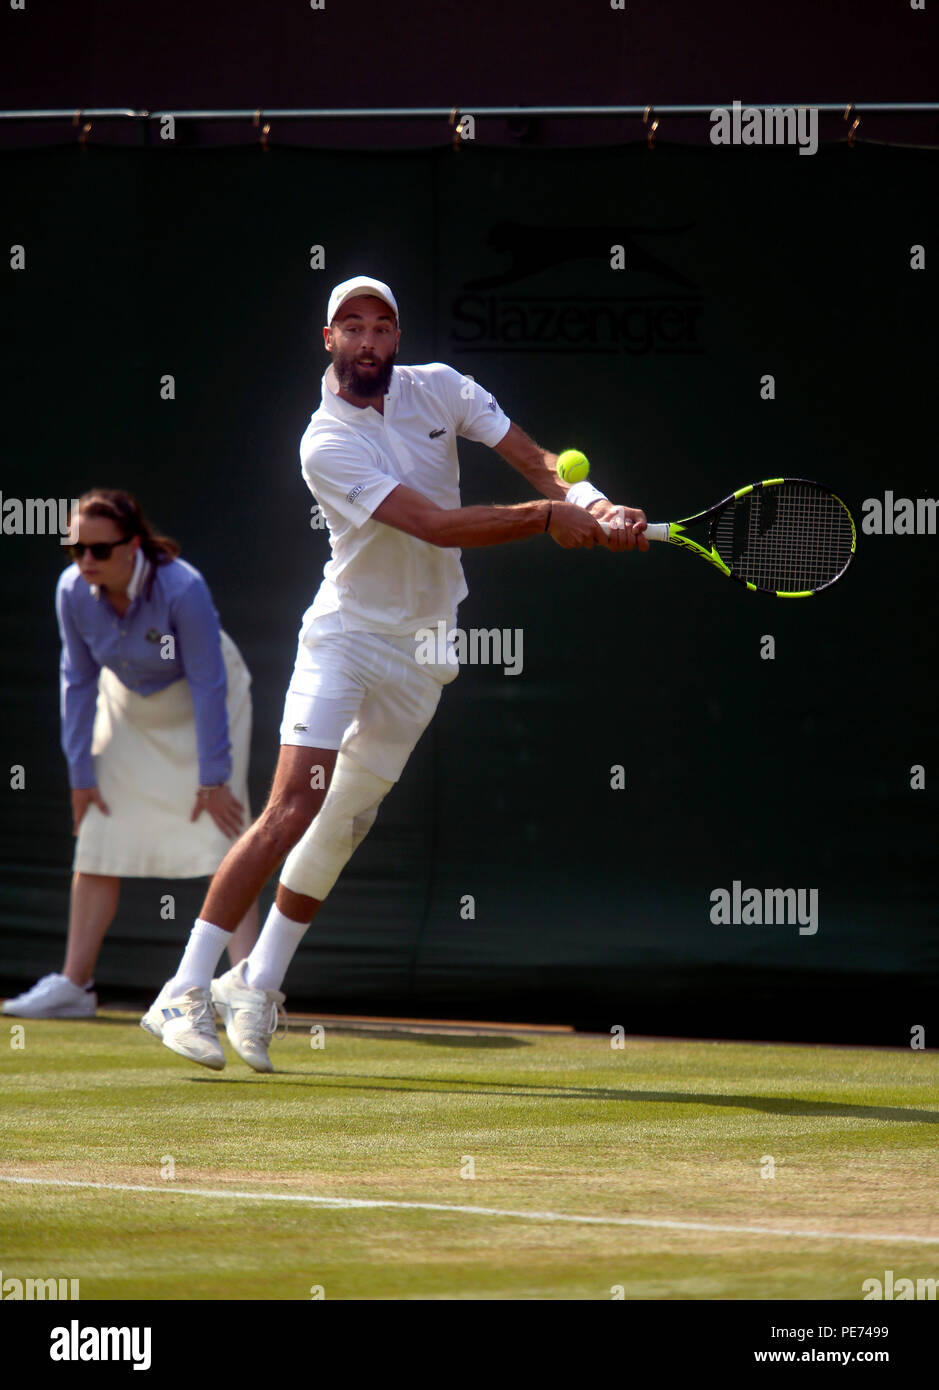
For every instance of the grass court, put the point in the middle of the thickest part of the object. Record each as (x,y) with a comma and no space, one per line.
(515,1164)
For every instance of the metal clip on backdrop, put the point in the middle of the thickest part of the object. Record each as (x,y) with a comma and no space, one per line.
(264,130)
(85,130)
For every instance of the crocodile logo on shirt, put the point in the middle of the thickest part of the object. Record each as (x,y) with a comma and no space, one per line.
(435,434)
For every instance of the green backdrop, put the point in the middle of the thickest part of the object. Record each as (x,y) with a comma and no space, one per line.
(592,905)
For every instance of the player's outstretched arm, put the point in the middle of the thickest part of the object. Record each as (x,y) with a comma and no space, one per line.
(466,527)
(539,467)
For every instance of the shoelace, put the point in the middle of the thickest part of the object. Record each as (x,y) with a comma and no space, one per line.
(267,1024)
(201,1014)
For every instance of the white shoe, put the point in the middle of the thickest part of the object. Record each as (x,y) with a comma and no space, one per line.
(54,996)
(250,1015)
(185,1023)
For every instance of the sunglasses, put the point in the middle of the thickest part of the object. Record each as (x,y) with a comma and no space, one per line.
(101,550)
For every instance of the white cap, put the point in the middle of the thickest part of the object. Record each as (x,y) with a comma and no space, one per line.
(359,284)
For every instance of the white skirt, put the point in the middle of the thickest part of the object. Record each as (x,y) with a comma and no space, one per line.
(147,770)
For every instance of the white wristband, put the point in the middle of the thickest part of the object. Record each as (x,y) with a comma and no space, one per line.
(582,494)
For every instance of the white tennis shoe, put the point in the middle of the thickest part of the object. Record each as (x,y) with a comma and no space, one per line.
(54,996)
(185,1023)
(250,1015)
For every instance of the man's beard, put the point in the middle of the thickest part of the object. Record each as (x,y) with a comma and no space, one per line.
(358,383)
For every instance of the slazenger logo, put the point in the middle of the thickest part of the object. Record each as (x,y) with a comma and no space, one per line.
(489,317)
(351,496)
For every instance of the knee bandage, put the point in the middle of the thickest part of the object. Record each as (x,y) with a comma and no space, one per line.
(341,824)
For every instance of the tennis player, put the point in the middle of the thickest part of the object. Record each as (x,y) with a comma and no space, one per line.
(156,726)
(380,457)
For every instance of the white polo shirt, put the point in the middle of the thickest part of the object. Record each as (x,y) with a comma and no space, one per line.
(379,579)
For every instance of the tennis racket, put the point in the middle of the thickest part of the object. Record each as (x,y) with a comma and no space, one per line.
(783,536)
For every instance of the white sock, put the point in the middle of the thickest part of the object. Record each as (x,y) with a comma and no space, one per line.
(202,954)
(273,951)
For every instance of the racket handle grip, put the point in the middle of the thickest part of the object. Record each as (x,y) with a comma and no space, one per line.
(655,531)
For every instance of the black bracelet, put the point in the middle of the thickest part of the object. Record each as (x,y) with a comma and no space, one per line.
(550,510)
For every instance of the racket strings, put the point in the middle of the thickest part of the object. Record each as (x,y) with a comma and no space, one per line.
(790,538)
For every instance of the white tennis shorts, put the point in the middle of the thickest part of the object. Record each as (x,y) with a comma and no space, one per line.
(363,692)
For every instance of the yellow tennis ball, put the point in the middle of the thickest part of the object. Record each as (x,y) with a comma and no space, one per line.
(572,466)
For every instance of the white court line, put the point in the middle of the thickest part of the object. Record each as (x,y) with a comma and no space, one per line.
(348,1202)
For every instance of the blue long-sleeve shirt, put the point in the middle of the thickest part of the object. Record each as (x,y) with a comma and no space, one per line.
(178,604)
